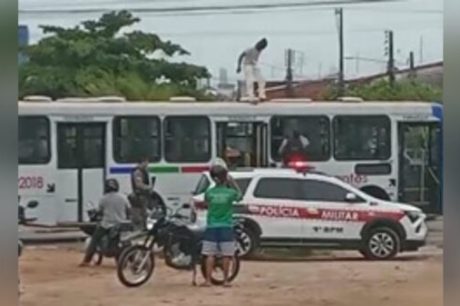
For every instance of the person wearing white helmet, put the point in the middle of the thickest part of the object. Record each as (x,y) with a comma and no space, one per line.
(220,162)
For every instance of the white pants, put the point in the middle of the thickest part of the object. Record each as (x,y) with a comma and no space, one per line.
(252,74)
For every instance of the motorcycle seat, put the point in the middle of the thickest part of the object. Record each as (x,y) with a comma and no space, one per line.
(126,226)
(197,231)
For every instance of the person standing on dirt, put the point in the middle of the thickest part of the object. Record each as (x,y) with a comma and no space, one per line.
(141,193)
(219,237)
(249,58)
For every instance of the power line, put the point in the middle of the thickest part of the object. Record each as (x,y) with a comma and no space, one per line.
(372,60)
(388,10)
(282,33)
(232,9)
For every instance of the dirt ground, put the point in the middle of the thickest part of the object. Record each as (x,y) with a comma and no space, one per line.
(51,277)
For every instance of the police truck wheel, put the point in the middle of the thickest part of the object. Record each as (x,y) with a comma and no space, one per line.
(247,243)
(381,243)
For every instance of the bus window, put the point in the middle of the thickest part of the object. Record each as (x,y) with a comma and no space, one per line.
(362,138)
(136,136)
(33,140)
(187,139)
(314,128)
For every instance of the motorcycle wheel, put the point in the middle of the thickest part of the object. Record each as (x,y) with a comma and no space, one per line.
(122,252)
(138,260)
(218,265)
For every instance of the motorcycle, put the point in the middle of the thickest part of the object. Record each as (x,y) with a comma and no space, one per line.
(23,220)
(112,244)
(181,245)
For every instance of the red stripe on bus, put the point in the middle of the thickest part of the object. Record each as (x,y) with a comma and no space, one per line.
(194,169)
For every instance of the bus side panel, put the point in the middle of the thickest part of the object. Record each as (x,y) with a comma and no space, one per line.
(37,184)
(174,186)
(345,171)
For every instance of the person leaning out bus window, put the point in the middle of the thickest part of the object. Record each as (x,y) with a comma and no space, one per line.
(294,143)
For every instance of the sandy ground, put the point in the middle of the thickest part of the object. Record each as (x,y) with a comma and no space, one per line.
(51,277)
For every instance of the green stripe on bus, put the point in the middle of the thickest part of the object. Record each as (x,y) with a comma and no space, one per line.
(164,169)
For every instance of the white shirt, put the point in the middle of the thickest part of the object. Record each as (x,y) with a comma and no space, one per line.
(251,56)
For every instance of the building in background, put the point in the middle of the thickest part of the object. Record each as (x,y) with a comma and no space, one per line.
(23,41)
(225,89)
(431,74)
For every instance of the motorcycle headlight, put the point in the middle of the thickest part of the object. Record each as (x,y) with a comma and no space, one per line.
(150,225)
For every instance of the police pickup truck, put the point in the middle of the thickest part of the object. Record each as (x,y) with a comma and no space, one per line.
(285,208)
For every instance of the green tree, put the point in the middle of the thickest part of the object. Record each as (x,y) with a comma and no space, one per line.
(99,57)
(382,90)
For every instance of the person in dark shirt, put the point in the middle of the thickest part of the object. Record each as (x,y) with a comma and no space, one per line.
(141,192)
(296,144)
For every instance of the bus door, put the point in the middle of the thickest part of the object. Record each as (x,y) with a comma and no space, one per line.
(420,165)
(81,168)
(242,144)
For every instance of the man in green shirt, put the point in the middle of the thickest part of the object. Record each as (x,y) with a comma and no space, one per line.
(219,236)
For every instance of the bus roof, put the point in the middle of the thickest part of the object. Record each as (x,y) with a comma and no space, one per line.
(221,108)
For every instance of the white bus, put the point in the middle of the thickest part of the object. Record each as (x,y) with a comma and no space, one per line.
(67,148)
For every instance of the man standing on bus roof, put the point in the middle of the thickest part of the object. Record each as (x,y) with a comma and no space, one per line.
(141,191)
(249,58)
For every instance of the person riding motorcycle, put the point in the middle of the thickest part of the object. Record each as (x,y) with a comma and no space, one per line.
(115,210)
(219,236)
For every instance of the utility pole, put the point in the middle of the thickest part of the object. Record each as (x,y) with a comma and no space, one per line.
(289,74)
(390,53)
(339,15)
(411,65)
(421,50)
(301,62)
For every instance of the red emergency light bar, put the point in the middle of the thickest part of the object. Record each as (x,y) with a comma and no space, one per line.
(299,163)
